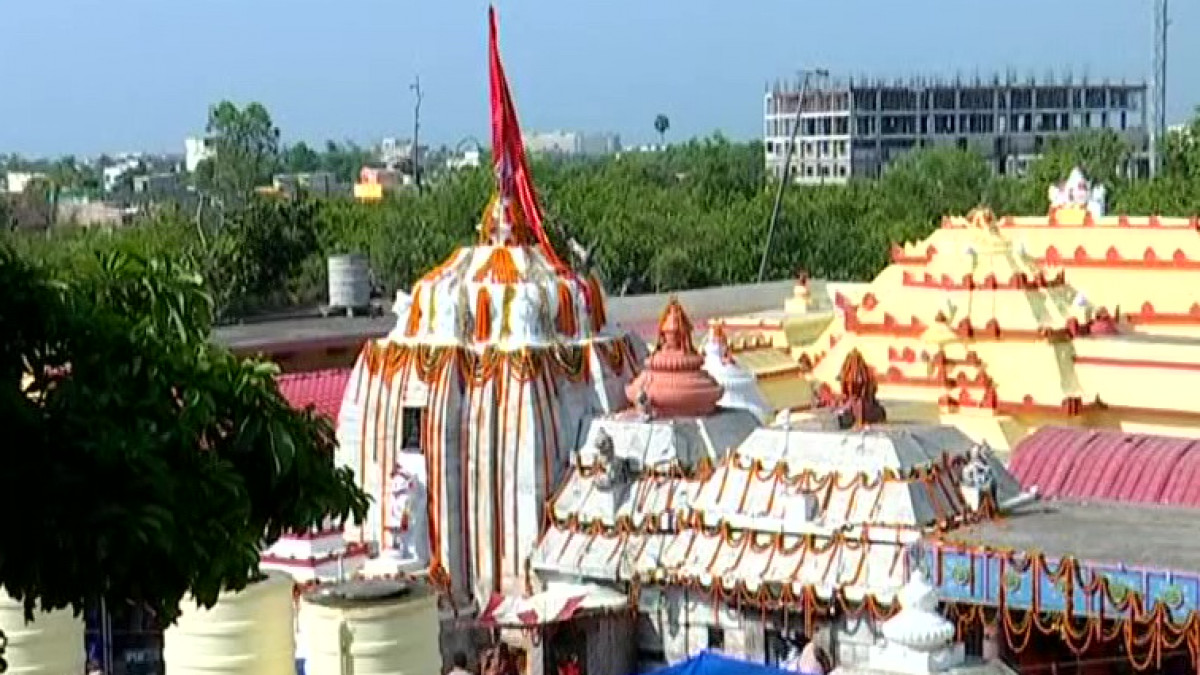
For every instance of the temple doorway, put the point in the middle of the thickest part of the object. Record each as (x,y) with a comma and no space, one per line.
(567,649)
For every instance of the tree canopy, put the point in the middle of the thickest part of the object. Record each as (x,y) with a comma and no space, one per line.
(151,463)
(694,214)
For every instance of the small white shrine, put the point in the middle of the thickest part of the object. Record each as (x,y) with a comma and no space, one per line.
(1077,192)
(920,641)
(739,384)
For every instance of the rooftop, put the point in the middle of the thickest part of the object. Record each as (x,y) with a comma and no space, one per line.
(1109,465)
(638,313)
(1095,532)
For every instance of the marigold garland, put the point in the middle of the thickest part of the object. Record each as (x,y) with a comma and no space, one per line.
(499,268)
(565,319)
(596,296)
(414,313)
(483,315)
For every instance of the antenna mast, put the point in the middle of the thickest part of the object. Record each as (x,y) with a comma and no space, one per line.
(416,146)
(785,175)
(1158,95)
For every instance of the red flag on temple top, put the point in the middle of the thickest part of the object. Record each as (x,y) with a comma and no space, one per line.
(508,151)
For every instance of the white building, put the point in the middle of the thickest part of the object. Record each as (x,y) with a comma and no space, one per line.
(857,127)
(573,143)
(196,150)
(16,181)
(113,173)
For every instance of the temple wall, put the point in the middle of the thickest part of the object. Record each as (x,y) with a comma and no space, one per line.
(848,640)
(679,622)
(610,651)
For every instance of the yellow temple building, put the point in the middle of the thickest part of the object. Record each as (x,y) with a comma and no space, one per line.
(1002,325)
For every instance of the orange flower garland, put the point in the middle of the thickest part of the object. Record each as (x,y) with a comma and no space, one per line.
(500,268)
(483,315)
(565,320)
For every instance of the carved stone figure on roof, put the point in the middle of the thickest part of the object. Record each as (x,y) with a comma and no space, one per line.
(978,478)
(642,403)
(977,472)
(858,390)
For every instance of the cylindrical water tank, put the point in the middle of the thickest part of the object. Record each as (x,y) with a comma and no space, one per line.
(251,632)
(349,284)
(51,644)
(370,627)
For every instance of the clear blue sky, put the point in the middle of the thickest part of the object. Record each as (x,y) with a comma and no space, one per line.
(87,76)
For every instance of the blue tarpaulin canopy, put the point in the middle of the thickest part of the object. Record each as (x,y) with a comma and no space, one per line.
(715,663)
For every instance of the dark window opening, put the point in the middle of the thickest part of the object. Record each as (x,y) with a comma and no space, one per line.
(410,425)
(716,638)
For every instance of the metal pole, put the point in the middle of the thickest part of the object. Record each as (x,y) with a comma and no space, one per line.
(1158,94)
(416,149)
(787,169)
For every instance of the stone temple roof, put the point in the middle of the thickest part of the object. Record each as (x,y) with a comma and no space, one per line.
(833,510)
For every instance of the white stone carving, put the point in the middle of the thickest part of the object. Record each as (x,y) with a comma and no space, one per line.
(1078,191)
(917,640)
(445,319)
(408,518)
(524,323)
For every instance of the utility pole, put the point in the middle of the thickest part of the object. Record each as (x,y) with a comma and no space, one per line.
(416,146)
(785,177)
(1158,94)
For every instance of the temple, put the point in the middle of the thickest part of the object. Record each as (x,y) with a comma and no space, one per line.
(1002,325)
(588,506)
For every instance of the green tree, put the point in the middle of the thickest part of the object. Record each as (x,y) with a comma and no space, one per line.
(345,160)
(245,144)
(163,464)
(661,124)
(249,261)
(1102,155)
(300,158)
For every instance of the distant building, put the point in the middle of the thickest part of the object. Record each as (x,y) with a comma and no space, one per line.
(573,143)
(321,183)
(855,128)
(113,173)
(394,152)
(467,160)
(156,185)
(374,182)
(15,182)
(196,150)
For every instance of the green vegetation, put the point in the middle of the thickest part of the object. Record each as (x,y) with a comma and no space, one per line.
(147,462)
(694,215)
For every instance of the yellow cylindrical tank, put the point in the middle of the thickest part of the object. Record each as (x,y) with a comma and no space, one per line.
(251,632)
(52,644)
(370,627)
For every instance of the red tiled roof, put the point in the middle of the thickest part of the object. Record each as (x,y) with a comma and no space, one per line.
(1102,465)
(320,388)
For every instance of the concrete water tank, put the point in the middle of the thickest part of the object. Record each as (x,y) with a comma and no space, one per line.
(52,644)
(251,632)
(370,627)
(349,283)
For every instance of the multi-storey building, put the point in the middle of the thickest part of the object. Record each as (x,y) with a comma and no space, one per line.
(573,143)
(856,127)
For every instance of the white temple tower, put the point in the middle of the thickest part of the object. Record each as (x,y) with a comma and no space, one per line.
(501,356)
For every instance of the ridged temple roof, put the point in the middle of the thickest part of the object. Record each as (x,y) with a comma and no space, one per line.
(1107,465)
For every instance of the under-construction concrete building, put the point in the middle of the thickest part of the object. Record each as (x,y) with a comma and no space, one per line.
(855,127)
